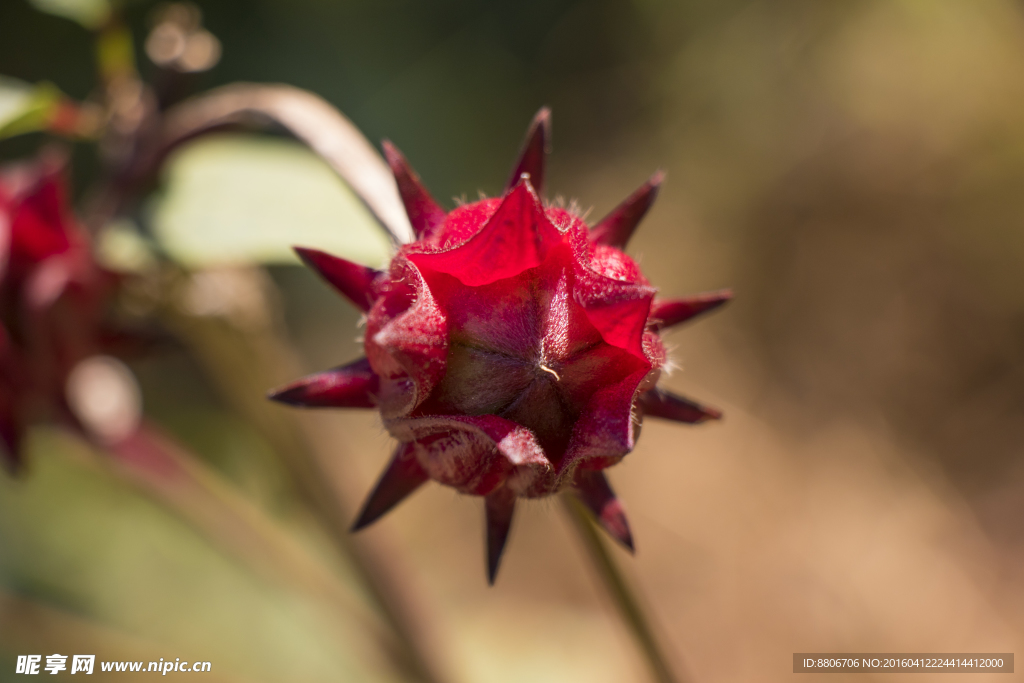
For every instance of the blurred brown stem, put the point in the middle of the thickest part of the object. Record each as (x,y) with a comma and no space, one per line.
(241,351)
(621,592)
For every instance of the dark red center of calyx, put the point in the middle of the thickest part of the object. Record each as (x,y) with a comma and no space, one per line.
(523,348)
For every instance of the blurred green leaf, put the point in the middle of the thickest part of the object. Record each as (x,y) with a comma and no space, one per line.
(79,540)
(120,247)
(237,199)
(88,13)
(25,108)
(33,626)
(175,477)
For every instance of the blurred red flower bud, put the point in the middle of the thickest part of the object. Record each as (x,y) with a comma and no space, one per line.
(53,296)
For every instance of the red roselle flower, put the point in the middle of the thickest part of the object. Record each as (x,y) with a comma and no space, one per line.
(512,350)
(52,299)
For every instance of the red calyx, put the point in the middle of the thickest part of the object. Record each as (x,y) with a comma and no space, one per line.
(513,350)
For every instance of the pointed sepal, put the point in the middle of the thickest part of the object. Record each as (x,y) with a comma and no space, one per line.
(354,281)
(403,475)
(593,490)
(425,215)
(617,227)
(672,312)
(406,339)
(518,236)
(532,156)
(668,406)
(349,386)
(499,506)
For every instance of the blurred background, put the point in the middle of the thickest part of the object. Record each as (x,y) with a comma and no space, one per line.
(853,170)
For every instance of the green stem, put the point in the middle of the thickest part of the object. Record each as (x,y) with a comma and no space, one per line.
(621,593)
(115,53)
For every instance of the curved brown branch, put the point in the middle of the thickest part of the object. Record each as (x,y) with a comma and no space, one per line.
(310,119)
